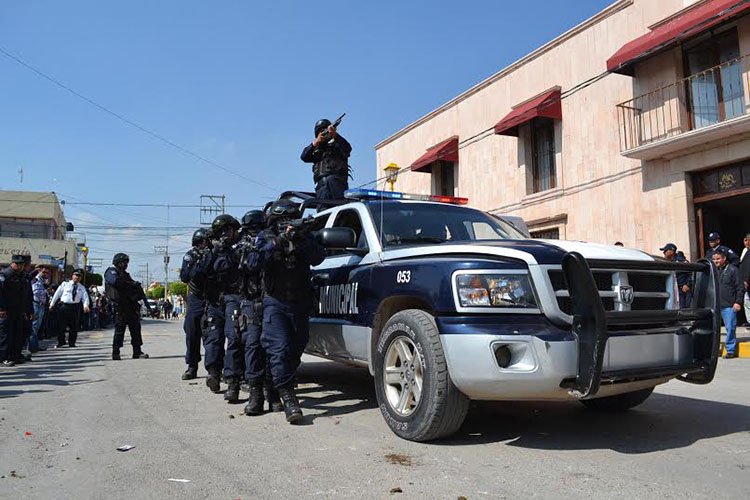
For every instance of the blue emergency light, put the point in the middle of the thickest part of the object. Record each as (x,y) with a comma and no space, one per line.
(372,194)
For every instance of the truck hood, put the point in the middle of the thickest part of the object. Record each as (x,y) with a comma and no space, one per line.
(531,251)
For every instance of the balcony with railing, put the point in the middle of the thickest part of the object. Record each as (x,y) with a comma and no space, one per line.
(701,108)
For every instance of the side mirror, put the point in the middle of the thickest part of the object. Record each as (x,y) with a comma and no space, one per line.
(337,237)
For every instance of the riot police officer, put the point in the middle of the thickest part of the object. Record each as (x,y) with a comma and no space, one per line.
(124,294)
(225,233)
(285,254)
(329,154)
(196,303)
(222,235)
(257,370)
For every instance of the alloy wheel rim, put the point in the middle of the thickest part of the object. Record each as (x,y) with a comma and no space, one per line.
(403,376)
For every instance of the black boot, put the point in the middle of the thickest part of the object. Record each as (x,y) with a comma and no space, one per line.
(190,373)
(233,391)
(212,381)
(291,405)
(272,396)
(116,354)
(254,404)
(139,354)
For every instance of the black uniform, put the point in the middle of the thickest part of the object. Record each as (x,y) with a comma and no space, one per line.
(227,276)
(683,279)
(212,324)
(16,307)
(330,167)
(287,300)
(125,294)
(196,305)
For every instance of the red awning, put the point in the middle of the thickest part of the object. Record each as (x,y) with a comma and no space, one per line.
(445,151)
(545,105)
(684,26)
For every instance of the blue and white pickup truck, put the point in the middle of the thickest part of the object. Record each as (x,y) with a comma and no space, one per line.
(445,304)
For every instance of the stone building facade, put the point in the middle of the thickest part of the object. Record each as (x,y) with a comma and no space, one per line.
(655,150)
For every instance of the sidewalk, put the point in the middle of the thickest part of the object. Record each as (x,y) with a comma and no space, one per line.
(743,341)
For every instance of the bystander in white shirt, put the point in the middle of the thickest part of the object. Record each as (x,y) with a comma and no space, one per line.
(71,292)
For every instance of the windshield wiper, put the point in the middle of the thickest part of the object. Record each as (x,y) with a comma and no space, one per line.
(419,239)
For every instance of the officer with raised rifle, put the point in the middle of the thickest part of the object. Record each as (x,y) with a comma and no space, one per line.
(225,233)
(285,252)
(329,153)
(196,302)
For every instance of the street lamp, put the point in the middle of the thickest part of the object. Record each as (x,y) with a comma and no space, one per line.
(85,252)
(391,174)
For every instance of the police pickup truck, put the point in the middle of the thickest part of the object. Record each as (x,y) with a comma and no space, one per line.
(445,304)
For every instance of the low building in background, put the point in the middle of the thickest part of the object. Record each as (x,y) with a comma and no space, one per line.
(33,223)
(657,150)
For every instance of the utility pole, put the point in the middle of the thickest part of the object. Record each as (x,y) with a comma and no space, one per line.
(211,206)
(165,252)
(166,262)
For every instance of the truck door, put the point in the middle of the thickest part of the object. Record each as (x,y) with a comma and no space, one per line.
(335,328)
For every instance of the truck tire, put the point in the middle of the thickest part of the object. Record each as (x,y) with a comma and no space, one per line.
(620,402)
(414,390)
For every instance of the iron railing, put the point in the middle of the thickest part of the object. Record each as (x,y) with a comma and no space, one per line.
(706,98)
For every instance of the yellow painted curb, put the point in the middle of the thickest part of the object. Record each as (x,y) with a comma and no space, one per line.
(743,349)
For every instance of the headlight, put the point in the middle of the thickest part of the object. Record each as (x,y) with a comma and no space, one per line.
(495,290)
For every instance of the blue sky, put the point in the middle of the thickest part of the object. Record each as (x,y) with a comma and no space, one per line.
(239,82)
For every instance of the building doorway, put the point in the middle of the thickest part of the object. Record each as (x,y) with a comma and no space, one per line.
(722,205)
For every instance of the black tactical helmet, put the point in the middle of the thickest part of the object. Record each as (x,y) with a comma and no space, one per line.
(222,222)
(321,125)
(283,210)
(254,220)
(200,235)
(120,258)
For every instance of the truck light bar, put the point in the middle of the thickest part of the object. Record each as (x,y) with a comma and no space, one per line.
(372,194)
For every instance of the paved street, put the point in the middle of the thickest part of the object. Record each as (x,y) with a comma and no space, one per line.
(78,406)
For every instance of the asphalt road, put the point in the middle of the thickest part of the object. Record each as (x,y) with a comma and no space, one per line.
(78,406)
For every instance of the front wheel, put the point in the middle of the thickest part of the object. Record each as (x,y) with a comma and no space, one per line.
(620,402)
(414,390)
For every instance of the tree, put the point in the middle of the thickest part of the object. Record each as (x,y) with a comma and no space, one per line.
(155,293)
(178,289)
(93,279)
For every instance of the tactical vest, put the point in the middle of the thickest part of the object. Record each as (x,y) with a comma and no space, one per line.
(331,163)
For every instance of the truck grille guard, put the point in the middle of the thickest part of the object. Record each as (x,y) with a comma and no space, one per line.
(591,323)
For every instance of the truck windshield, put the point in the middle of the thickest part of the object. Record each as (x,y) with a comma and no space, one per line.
(433,223)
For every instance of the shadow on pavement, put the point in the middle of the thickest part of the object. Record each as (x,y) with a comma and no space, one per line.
(663,422)
(52,368)
(334,389)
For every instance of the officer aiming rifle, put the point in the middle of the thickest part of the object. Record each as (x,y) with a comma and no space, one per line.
(329,153)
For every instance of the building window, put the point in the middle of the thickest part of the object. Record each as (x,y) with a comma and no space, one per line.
(444,178)
(542,140)
(713,70)
(547,234)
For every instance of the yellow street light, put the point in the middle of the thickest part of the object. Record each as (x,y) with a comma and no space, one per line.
(391,174)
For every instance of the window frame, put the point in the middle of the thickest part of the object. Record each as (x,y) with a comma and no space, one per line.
(535,126)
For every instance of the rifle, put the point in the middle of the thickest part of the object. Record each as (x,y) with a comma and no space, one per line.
(335,124)
(141,295)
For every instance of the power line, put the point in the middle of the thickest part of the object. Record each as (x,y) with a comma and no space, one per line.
(523,117)
(132,123)
(115,204)
(515,121)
